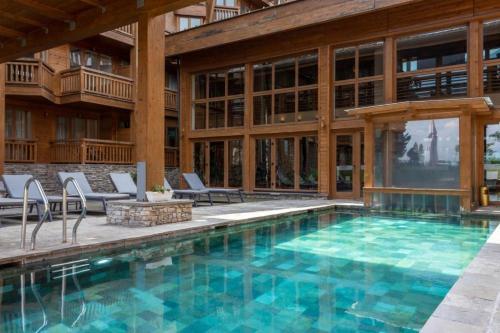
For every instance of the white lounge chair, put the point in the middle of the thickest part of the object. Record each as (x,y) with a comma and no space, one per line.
(195,183)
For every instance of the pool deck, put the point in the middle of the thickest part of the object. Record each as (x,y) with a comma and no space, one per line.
(473,303)
(94,233)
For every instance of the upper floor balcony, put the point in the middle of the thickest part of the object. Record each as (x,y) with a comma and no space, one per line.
(80,84)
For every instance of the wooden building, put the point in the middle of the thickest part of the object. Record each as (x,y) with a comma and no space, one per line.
(395,102)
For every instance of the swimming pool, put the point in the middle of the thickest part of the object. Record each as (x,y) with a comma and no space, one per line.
(323,272)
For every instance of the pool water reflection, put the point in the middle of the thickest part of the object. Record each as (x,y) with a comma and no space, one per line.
(313,273)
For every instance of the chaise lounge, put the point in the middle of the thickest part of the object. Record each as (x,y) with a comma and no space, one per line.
(14,184)
(195,183)
(124,183)
(89,194)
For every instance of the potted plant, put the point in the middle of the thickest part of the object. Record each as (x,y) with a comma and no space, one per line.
(159,193)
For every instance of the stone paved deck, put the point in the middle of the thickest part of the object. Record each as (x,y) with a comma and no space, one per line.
(95,233)
(473,303)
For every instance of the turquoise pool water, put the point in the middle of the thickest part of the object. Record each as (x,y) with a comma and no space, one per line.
(314,273)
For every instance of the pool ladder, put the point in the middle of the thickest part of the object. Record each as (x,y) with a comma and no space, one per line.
(46,211)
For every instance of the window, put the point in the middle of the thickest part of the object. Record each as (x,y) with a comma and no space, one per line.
(418,154)
(91,59)
(72,128)
(358,77)
(226,3)
(432,65)
(17,124)
(105,64)
(218,99)
(285,90)
(188,22)
(172,137)
(491,56)
(75,58)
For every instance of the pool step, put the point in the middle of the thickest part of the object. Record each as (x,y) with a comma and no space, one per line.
(69,268)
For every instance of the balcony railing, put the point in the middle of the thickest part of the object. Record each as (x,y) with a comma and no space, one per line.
(170,99)
(223,13)
(126,30)
(91,81)
(30,73)
(20,151)
(171,156)
(92,151)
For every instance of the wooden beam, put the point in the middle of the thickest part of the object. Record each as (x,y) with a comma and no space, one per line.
(46,10)
(95,3)
(88,23)
(9,32)
(325,117)
(149,119)
(210,10)
(294,15)
(2,117)
(22,19)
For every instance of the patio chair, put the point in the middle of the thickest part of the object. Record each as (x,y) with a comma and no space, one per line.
(14,184)
(124,183)
(18,203)
(195,183)
(89,194)
(192,194)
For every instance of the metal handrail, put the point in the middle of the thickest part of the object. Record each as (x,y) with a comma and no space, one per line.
(46,212)
(65,209)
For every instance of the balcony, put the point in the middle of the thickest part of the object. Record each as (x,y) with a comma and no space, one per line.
(30,77)
(224,13)
(20,151)
(171,157)
(92,151)
(170,103)
(93,86)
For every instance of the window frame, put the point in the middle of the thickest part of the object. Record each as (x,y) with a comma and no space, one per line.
(296,89)
(190,21)
(486,63)
(357,80)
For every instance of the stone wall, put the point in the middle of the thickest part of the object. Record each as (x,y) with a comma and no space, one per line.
(131,213)
(97,174)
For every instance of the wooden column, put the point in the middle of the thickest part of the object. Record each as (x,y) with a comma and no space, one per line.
(149,114)
(466,157)
(185,114)
(369,156)
(210,6)
(475,54)
(324,118)
(133,76)
(248,180)
(2,117)
(389,70)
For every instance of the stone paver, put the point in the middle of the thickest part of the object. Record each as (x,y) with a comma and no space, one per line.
(95,231)
(473,304)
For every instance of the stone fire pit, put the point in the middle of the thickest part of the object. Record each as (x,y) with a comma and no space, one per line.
(131,213)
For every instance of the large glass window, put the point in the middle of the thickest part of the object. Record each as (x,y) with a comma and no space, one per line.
(217,164)
(222,94)
(263,163)
(491,56)
(418,154)
(188,22)
(432,65)
(308,151)
(358,77)
(285,171)
(75,128)
(286,90)
(235,177)
(199,159)
(17,124)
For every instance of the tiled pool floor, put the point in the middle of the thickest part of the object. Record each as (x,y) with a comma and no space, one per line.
(313,273)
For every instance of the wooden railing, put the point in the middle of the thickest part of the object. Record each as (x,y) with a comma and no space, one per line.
(91,81)
(92,151)
(20,151)
(171,156)
(170,99)
(30,73)
(223,13)
(126,30)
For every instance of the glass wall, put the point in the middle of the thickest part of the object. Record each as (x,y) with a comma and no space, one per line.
(358,77)
(492,160)
(235,163)
(418,154)
(285,90)
(491,57)
(199,160)
(432,65)
(216,163)
(218,98)
(285,171)
(345,165)
(308,150)
(263,163)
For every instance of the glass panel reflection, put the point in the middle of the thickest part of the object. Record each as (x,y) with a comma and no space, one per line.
(344,166)
(217,164)
(262,110)
(235,163)
(492,160)
(199,160)
(418,154)
(308,149)
(285,171)
(263,163)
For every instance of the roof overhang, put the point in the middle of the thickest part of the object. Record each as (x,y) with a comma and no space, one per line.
(476,105)
(28,26)
(271,20)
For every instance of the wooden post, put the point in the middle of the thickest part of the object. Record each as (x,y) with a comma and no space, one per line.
(210,10)
(248,180)
(369,155)
(475,55)
(325,118)
(465,134)
(185,113)
(149,122)
(2,117)
(389,70)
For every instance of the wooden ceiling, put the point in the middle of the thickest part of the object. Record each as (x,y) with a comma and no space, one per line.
(28,26)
